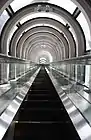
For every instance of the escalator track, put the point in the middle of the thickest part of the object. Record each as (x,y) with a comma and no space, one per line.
(42,115)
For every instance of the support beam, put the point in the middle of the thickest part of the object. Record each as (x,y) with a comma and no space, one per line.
(10,11)
(75,15)
(67,26)
(76,12)
(18,24)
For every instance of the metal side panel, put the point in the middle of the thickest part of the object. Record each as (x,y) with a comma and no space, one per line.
(9,113)
(79,122)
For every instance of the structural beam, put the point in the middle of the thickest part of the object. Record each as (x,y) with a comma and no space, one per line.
(76,12)
(75,15)
(18,24)
(67,26)
(10,11)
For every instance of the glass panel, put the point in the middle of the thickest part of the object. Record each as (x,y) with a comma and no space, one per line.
(66,4)
(18,4)
(13,76)
(83,22)
(3,18)
(72,80)
(78,72)
(88,75)
(16,77)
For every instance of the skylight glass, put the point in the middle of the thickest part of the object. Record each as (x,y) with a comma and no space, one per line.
(18,4)
(66,4)
(3,18)
(83,22)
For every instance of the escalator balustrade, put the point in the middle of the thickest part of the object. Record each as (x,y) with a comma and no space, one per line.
(42,115)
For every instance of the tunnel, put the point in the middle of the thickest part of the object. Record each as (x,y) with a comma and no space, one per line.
(45,69)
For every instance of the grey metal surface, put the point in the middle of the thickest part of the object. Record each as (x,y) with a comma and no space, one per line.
(7,116)
(77,107)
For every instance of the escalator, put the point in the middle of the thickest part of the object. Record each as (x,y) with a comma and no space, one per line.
(42,115)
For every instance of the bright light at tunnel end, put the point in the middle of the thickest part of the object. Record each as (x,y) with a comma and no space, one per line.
(44,57)
(42,60)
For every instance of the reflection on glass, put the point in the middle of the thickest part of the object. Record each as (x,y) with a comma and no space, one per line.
(87,75)
(3,18)
(13,76)
(79,75)
(66,4)
(83,22)
(74,81)
(18,4)
(13,71)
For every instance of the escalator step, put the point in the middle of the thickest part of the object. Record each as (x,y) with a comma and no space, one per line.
(42,93)
(41,97)
(50,92)
(44,131)
(42,104)
(39,87)
(42,115)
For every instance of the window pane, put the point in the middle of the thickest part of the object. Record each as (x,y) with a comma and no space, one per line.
(83,22)
(66,4)
(3,18)
(18,4)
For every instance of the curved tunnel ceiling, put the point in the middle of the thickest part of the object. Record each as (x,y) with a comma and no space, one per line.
(57,33)
(42,38)
(45,32)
